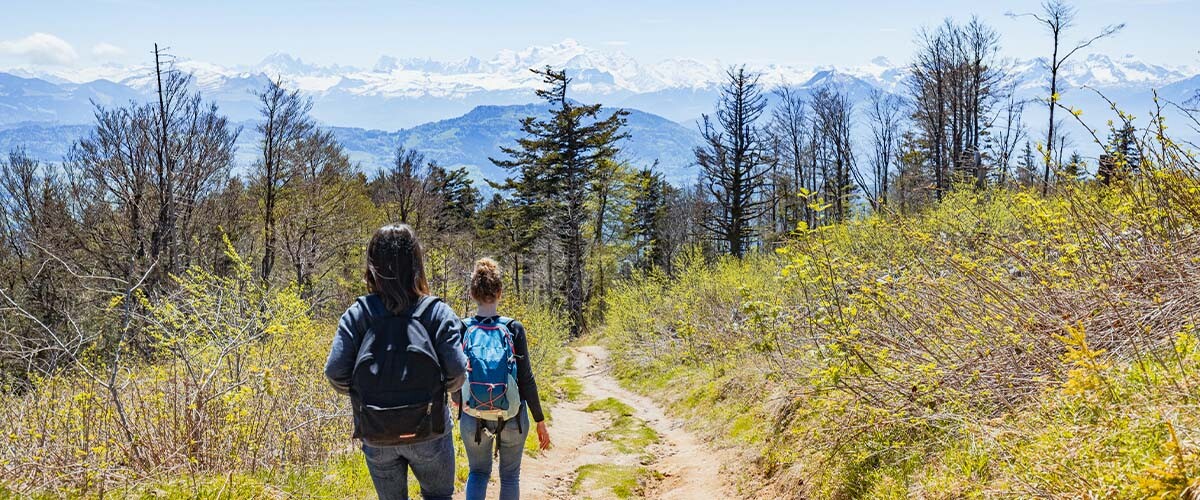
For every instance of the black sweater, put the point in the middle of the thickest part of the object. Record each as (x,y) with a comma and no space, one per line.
(526,385)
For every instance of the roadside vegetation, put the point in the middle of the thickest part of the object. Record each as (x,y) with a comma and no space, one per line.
(999,343)
(237,403)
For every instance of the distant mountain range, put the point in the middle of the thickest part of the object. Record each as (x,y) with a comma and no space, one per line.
(460,112)
(464,141)
(397,93)
(469,140)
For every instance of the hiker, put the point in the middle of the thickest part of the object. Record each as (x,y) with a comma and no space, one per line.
(397,355)
(492,404)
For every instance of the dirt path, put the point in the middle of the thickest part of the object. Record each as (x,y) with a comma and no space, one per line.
(683,467)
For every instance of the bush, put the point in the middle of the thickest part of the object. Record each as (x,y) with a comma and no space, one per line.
(232,396)
(1001,343)
(237,385)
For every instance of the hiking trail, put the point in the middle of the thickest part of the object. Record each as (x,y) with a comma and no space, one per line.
(676,466)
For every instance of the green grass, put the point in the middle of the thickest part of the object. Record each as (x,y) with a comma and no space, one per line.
(612,406)
(627,433)
(600,481)
(570,388)
(344,476)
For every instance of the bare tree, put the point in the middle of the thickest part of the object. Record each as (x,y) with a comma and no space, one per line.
(326,189)
(33,218)
(1057,17)
(404,186)
(789,128)
(145,169)
(1010,132)
(732,160)
(954,79)
(885,115)
(285,124)
(832,113)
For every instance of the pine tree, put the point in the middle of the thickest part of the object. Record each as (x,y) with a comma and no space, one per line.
(1123,156)
(1026,168)
(649,213)
(1075,168)
(511,229)
(459,197)
(556,163)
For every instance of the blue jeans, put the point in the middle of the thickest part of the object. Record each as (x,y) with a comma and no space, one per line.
(432,463)
(479,455)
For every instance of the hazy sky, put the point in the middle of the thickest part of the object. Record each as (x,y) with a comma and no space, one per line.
(842,32)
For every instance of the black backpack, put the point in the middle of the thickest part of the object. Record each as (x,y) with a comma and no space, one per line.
(397,388)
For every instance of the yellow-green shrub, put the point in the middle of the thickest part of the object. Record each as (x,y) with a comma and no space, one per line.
(234,401)
(1001,343)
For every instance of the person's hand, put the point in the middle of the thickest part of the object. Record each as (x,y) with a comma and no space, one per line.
(543,436)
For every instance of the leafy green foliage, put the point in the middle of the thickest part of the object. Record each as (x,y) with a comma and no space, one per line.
(999,344)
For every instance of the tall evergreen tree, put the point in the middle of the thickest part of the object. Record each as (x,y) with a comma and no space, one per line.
(556,163)
(1026,168)
(649,213)
(1123,156)
(459,197)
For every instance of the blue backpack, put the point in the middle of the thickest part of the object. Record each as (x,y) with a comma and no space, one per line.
(490,392)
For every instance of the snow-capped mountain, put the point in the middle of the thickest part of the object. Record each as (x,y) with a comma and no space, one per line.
(461,111)
(1100,71)
(401,92)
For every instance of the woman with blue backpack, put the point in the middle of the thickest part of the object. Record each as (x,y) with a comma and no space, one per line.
(499,388)
(397,354)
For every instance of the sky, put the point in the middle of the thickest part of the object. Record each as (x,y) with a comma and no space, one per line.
(844,32)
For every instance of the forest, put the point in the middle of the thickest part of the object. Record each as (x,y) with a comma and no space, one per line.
(960,306)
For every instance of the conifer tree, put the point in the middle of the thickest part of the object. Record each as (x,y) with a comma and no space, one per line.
(1124,147)
(1075,168)
(555,166)
(511,230)
(649,214)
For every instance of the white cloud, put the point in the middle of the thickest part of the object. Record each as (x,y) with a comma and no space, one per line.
(40,48)
(105,49)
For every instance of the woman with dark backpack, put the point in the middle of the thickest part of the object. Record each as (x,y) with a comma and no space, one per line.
(499,388)
(397,354)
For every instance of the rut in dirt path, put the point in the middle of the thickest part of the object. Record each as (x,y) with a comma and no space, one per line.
(679,466)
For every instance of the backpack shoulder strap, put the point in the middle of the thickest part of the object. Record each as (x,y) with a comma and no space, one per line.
(424,304)
(506,324)
(372,308)
(373,305)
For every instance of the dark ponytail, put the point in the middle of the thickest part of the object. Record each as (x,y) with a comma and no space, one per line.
(396,267)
